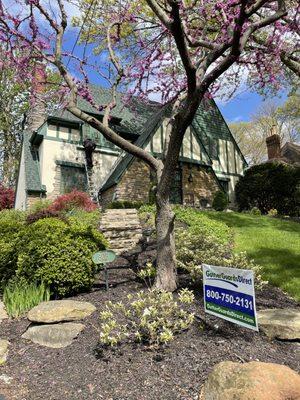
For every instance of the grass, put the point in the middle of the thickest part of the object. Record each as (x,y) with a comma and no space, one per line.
(20,297)
(272,242)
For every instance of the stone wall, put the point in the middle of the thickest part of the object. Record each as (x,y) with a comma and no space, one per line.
(33,198)
(203,185)
(133,186)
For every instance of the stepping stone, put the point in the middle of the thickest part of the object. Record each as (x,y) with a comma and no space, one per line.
(3,350)
(254,380)
(60,310)
(3,313)
(55,336)
(280,323)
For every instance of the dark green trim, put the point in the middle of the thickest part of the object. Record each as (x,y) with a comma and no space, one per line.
(102,150)
(231,135)
(162,138)
(191,145)
(64,122)
(55,139)
(234,153)
(228,173)
(69,164)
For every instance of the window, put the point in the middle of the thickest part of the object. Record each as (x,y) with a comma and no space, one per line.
(63,133)
(225,184)
(72,178)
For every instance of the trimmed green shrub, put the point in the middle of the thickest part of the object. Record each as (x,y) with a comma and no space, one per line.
(150,317)
(220,201)
(270,185)
(59,254)
(194,249)
(125,204)
(20,296)
(11,226)
(255,211)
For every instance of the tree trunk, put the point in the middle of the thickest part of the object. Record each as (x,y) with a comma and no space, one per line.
(166,278)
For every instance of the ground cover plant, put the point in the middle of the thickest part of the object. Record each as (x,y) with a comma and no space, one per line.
(149,317)
(273,243)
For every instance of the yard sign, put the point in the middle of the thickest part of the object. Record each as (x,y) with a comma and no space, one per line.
(229,294)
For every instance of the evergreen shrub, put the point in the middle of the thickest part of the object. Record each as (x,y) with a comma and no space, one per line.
(59,254)
(220,201)
(11,226)
(271,185)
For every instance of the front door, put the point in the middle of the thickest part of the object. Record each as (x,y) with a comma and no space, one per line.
(176,187)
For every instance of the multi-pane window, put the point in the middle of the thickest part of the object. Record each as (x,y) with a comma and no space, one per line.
(63,133)
(72,178)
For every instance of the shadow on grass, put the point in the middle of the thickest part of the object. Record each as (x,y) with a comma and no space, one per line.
(281,267)
(242,220)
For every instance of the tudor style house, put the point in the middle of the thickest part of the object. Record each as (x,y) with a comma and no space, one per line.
(53,159)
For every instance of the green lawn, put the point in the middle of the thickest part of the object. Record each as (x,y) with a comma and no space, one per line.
(272,243)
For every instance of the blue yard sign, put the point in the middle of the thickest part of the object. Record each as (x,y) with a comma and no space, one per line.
(229,294)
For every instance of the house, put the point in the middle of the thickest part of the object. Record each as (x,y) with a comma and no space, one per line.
(53,157)
(289,153)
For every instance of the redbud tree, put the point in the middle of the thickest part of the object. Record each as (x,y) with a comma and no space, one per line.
(179,51)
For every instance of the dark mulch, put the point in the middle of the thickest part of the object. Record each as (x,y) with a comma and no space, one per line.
(132,372)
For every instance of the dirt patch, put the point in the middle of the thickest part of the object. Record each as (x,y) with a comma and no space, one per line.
(84,371)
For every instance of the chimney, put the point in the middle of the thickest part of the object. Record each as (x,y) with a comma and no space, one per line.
(273,144)
(37,111)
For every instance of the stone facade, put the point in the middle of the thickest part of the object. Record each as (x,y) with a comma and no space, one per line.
(134,184)
(198,184)
(33,198)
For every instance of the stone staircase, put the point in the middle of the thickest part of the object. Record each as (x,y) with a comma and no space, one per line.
(122,228)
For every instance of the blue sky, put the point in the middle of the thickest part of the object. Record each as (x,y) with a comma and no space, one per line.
(243,105)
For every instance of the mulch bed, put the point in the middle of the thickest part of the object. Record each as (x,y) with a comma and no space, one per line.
(84,371)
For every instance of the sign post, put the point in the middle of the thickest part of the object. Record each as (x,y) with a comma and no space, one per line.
(102,258)
(229,294)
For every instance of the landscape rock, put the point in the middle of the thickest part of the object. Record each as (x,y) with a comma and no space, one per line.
(3,350)
(251,381)
(54,335)
(60,310)
(280,323)
(3,313)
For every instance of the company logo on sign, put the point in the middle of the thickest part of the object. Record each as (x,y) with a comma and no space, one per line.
(229,294)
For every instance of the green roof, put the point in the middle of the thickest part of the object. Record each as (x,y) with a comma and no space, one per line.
(32,165)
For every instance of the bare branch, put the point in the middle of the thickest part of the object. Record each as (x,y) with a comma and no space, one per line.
(159,12)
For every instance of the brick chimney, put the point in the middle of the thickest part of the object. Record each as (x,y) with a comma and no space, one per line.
(37,111)
(273,144)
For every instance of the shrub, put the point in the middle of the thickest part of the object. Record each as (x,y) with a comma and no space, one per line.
(39,205)
(151,317)
(220,201)
(194,249)
(20,296)
(255,211)
(125,204)
(7,197)
(202,225)
(270,185)
(73,200)
(59,254)
(44,213)
(273,212)
(11,224)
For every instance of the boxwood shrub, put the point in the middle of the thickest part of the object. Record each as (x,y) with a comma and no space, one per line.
(58,253)
(11,225)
